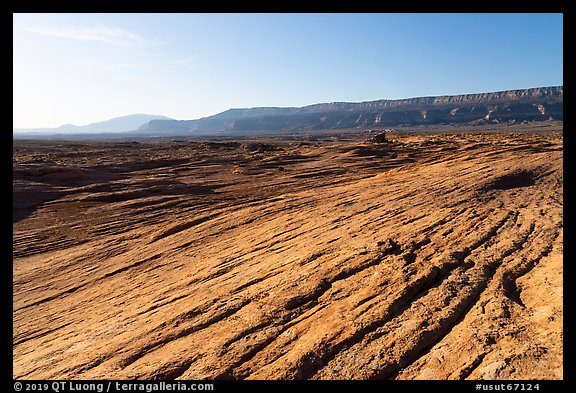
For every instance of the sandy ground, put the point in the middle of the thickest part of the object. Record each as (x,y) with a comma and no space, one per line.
(429,257)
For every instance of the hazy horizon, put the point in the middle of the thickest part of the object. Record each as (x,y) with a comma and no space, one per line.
(159,116)
(85,68)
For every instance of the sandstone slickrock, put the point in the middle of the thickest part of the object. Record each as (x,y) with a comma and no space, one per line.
(440,258)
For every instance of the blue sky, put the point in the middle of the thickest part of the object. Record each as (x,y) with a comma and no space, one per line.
(83,68)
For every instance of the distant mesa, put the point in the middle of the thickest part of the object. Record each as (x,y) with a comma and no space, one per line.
(536,104)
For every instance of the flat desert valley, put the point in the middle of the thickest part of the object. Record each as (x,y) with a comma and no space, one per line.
(427,256)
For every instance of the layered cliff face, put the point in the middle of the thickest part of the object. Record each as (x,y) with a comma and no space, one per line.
(537,104)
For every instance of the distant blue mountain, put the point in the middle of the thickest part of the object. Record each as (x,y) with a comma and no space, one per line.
(115,125)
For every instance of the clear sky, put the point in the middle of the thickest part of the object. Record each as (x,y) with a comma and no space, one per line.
(84,68)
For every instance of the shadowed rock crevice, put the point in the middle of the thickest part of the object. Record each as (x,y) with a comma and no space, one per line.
(513,180)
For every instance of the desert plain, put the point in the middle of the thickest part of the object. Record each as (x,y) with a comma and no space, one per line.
(427,256)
